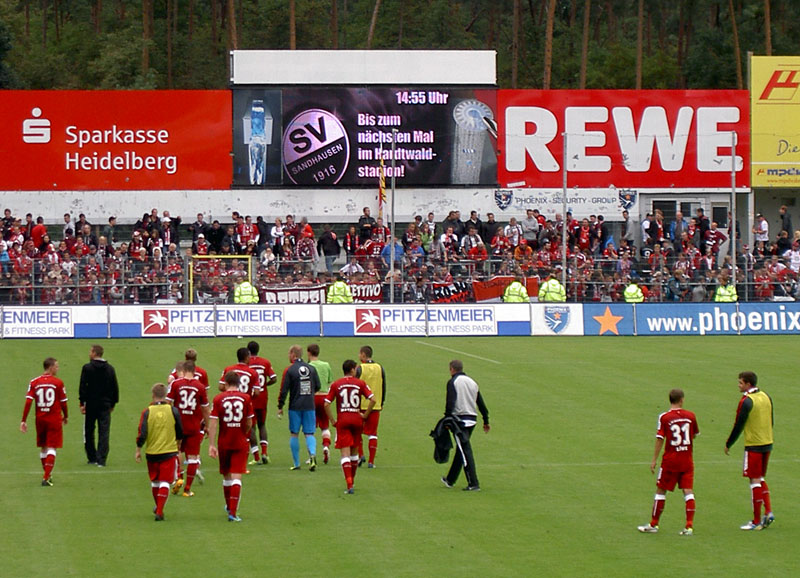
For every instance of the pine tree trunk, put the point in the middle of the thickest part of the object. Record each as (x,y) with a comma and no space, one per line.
(372,24)
(292,27)
(737,54)
(515,45)
(548,44)
(44,23)
(587,11)
(233,35)
(169,43)
(335,24)
(768,27)
(147,34)
(639,43)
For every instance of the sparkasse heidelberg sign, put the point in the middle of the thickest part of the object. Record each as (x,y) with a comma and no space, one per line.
(115,140)
(623,138)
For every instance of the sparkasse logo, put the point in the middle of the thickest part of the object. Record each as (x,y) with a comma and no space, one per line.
(36,130)
(368,320)
(155,322)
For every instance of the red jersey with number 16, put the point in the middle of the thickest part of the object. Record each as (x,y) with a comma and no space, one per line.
(678,428)
(188,396)
(232,409)
(348,391)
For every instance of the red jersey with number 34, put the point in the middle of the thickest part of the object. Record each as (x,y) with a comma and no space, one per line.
(347,392)
(232,410)
(678,428)
(188,396)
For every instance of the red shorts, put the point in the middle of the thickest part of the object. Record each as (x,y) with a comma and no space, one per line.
(371,423)
(190,444)
(668,479)
(233,461)
(348,431)
(755,464)
(260,415)
(49,434)
(164,470)
(323,422)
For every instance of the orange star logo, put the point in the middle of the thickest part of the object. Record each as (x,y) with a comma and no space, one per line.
(608,321)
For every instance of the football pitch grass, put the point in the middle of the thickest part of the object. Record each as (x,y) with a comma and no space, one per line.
(564,471)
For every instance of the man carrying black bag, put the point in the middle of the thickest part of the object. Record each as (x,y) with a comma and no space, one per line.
(464,400)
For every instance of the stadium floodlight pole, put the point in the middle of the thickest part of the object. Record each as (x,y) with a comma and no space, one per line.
(732,226)
(564,215)
(392,226)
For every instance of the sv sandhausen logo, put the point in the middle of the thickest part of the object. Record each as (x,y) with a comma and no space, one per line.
(38,130)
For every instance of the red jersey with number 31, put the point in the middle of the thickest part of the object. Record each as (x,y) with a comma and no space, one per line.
(348,391)
(232,409)
(678,428)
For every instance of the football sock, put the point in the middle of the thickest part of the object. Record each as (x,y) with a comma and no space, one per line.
(254,451)
(689,498)
(311,445)
(765,497)
(49,463)
(294,444)
(373,448)
(161,498)
(326,438)
(347,468)
(353,466)
(154,489)
(42,456)
(758,498)
(236,491)
(226,490)
(658,506)
(191,472)
(360,447)
(264,447)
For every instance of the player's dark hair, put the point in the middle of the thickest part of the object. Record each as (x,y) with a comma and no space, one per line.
(749,377)
(313,349)
(242,354)
(98,350)
(367,350)
(348,366)
(188,366)
(457,365)
(159,390)
(253,347)
(232,378)
(180,367)
(48,362)
(191,354)
(675,395)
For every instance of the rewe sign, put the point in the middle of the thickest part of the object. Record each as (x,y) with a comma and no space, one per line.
(115,140)
(625,138)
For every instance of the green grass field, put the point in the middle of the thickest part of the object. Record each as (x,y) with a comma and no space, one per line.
(564,470)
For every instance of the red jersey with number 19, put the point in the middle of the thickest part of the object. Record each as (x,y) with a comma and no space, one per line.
(678,428)
(189,396)
(47,392)
(232,409)
(348,392)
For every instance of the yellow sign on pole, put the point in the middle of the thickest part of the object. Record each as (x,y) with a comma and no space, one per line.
(775,121)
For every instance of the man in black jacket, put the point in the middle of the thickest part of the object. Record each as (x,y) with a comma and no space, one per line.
(98,394)
(464,401)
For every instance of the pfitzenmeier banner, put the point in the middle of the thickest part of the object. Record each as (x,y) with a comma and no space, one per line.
(338,136)
(775,112)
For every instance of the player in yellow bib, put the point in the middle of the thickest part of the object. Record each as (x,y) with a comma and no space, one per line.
(375,377)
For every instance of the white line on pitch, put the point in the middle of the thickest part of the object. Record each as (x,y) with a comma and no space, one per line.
(459,352)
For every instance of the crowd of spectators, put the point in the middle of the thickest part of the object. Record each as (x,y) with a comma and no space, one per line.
(678,260)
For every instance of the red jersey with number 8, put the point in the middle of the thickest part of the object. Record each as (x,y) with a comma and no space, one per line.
(232,409)
(678,428)
(248,378)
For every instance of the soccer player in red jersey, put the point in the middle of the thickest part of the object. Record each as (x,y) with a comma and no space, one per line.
(200,374)
(266,377)
(189,397)
(325,379)
(349,419)
(677,429)
(231,416)
(48,392)
(160,428)
(249,384)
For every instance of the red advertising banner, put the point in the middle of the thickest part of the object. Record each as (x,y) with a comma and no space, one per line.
(492,289)
(312,294)
(366,292)
(623,138)
(115,140)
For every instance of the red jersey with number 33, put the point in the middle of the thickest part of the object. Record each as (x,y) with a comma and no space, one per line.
(232,409)
(678,428)
(188,396)
(347,392)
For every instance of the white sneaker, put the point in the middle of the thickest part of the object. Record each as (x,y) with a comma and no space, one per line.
(686,532)
(648,529)
(751,526)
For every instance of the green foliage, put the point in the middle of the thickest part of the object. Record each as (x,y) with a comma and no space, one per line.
(76,55)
